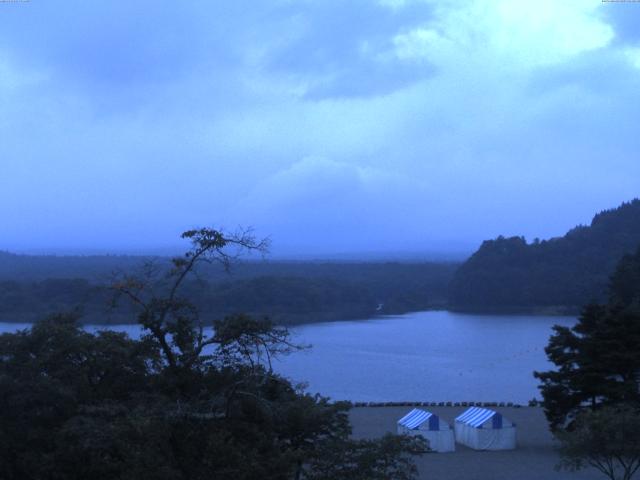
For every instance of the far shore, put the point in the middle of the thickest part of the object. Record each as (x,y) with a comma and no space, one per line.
(113,319)
(547,310)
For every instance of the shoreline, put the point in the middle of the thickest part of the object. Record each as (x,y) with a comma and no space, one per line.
(548,310)
(93,319)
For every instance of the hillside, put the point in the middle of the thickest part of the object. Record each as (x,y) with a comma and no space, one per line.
(288,292)
(561,273)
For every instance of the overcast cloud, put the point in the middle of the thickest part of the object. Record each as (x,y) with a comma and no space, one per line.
(332,126)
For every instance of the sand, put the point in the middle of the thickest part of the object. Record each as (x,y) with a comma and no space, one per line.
(534,458)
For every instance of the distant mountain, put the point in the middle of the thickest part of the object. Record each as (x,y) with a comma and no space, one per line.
(565,272)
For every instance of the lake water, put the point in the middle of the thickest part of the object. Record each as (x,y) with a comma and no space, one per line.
(422,356)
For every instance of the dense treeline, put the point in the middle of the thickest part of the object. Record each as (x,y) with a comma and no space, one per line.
(100,268)
(564,272)
(287,292)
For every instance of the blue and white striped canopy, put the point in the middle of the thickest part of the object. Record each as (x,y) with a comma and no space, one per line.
(476,416)
(415,418)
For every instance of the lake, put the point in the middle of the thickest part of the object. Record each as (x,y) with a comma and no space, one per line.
(421,356)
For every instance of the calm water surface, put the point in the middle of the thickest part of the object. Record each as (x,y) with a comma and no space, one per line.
(425,356)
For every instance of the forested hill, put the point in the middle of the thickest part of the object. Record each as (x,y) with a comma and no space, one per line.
(32,287)
(563,273)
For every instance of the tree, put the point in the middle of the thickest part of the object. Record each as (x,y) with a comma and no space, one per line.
(625,284)
(607,439)
(565,272)
(177,404)
(55,373)
(598,359)
(389,457)
(173,322)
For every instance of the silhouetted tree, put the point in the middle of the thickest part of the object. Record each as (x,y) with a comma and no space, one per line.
(598,359)
(389,457)
(607,439)
(179,403)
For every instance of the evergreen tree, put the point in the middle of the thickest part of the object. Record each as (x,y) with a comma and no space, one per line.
(598,359)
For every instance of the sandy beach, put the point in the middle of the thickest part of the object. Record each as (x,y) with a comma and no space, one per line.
(534,458)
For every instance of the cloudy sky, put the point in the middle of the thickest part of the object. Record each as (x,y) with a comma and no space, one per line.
(332,126)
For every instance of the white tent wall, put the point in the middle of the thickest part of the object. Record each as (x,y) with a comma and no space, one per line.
(490,435)
(461,433)
(438,433)
(486,438)
(440,441)
(495,439)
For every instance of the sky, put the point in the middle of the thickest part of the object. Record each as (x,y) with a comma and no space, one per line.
(349,127)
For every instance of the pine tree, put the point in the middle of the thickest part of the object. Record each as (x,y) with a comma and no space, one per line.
(598,359)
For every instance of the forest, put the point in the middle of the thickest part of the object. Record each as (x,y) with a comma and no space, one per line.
(286,292)
(556,275)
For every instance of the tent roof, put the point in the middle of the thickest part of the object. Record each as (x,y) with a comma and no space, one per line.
(415,418)
(475,416)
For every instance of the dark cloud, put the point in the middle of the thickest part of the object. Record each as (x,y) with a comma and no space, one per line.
(124,45)
(624,17)
(346,47)
(116,43)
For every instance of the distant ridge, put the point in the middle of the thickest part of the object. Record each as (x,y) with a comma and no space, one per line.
(32,287)
(20,267)
(556,275)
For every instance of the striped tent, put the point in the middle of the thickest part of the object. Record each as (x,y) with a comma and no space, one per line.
(484,429)
(437,433)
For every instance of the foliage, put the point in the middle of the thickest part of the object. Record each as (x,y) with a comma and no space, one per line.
(176,404)
(288,292)
(598,359)
(607,439)
(389,457)
(563,272)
